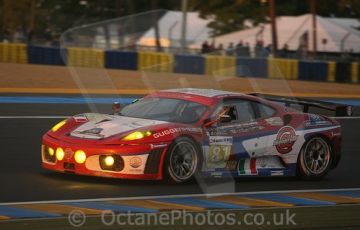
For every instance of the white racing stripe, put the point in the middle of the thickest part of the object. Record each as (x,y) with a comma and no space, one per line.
(184,196)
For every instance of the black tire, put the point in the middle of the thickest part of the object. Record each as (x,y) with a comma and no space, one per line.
(315,159)
(177,161)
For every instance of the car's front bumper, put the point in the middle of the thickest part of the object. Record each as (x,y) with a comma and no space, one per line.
(143,161)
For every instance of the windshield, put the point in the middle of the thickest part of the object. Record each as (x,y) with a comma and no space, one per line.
(165,109)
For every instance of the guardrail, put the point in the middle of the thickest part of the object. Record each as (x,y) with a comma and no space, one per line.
(273,68)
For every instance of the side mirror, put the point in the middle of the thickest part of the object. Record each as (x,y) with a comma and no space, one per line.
(116,108)
(224,118)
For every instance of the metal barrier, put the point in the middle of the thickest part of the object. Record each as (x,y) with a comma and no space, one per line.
(155,62)
(220,65)
(13,52)
(313,70)
(121,60)
(45,55)
(252,67)
(273,68)
(190,64)
(84,57)
(283,69)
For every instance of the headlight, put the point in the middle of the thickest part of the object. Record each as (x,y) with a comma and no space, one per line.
(80,156)
(137,135)
(51,151)
(109,161)
(58,126)
(59,154)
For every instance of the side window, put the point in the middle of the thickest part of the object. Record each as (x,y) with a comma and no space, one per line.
(265,111)
(239,110)
(245,111)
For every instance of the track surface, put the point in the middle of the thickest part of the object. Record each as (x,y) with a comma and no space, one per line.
(22,178)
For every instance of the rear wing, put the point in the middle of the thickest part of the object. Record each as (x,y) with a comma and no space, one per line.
(340,110)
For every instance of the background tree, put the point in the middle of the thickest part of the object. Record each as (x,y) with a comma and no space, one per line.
(230,15)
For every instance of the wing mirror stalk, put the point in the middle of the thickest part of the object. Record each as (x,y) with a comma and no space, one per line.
(222,119)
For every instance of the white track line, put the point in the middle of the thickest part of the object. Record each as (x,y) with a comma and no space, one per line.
(181,196)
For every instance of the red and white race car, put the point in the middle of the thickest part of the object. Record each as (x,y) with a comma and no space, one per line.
(183,133)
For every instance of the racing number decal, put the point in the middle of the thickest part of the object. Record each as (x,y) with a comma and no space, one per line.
(219,151)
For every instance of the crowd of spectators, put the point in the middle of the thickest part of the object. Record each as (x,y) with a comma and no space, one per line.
(241,49)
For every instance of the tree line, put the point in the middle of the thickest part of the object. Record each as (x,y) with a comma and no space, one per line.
(43,21)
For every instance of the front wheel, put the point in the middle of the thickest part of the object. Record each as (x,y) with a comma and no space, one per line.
(182,161)
(314,159)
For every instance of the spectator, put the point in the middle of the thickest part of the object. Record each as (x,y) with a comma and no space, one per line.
(212,47)
(230,49)
(241,50)
(205,48)
(240,44)
(284,51)
(220,49)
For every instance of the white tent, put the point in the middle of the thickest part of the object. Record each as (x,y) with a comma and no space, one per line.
(170,30)
(331,33)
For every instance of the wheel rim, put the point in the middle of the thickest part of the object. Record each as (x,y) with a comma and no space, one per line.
(183,161)
(316,156)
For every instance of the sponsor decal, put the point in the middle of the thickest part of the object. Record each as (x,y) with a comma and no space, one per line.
(220,140)
(285,139)
(234,129)
(135,162)
(176,130)
(251,166)
(247,166)
(274,121)
(277,173)
(231,165)
(314,120)
(272,162)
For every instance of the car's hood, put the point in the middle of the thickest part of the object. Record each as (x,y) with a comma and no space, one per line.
(100,126)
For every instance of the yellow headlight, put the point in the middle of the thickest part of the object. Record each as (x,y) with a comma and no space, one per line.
(109,161)
(80,156)
(59,154)
(137,135)
(51,151)
(58,126)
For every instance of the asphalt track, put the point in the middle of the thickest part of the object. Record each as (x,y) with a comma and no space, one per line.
(23,179)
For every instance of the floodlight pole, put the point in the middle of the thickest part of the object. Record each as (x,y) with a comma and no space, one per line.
(314,25)
(183,27)
(273,26)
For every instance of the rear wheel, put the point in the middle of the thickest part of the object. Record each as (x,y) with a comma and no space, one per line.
(315,159)
(182,160)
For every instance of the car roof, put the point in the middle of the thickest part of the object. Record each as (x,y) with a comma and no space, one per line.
(210,93)
(202,96)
